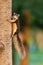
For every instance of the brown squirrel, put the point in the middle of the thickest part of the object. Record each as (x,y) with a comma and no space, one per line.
(16,36)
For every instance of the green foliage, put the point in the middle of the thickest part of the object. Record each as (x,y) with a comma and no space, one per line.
(36,7)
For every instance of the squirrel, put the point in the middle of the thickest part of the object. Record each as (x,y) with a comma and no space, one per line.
(16,36)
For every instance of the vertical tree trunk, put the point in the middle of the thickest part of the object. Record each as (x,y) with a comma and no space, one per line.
(5,33)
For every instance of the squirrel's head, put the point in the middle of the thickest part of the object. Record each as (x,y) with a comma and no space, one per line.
(15,17)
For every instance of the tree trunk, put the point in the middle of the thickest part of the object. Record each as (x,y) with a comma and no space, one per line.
(5,33)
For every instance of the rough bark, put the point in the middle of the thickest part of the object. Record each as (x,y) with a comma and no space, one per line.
(5,33)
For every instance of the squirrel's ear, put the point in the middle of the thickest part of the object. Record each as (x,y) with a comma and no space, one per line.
(14,13)
(18,15)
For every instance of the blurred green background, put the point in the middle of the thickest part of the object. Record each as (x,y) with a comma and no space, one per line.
(35,11)
(35,7)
